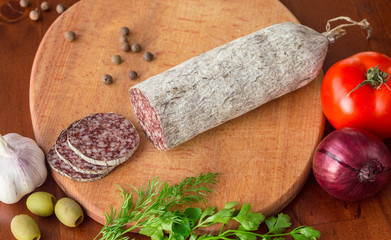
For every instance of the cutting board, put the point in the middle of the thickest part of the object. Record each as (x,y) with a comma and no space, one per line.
(262,157)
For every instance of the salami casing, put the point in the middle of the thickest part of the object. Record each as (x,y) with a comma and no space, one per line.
(226,82)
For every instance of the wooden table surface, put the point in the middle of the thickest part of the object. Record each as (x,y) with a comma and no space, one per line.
(336,219)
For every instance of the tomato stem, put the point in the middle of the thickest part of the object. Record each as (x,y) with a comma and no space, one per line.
(374,77)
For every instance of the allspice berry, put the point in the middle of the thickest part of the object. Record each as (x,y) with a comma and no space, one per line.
(148,56)
(45,6)
(124,31)
(125,47)
(136,47)
(132,75)
(123,39)
(34,15)
(24,3)
(70,36)
(60,8)
(116,59)
(107,79)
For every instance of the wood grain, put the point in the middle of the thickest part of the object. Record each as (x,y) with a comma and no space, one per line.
(263,157)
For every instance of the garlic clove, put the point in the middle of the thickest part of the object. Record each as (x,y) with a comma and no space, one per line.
(22,167)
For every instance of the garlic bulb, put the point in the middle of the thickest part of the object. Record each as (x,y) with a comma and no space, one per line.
(22,167)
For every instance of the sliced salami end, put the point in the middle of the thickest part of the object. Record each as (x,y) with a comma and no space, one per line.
(58,165)
(103,139)
(147,118)
(75,161)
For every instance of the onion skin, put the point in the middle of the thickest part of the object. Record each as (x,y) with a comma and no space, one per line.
(351,164)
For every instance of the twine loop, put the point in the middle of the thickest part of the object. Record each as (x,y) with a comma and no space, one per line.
(339,31)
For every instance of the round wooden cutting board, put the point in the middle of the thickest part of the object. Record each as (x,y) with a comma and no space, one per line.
(263,157)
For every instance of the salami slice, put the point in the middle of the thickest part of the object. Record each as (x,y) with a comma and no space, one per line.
(58,165)
(226,82)
(75,161)
(106,139)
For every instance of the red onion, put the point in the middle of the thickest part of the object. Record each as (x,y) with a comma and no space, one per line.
(351,164)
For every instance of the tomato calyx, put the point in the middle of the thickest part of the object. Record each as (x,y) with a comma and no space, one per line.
(375,78)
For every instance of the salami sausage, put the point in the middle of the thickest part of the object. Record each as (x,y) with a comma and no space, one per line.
(58,165)
(226,82)
(75,161)
(106,139)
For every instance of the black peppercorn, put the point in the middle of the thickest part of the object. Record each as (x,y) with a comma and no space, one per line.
(124,31)
(125,47)
(70,36)
(107,79)
(148,56)
(60,8)
(34,15)
(132,75)
(24,3)
(45,6)
(136,47)
(116,59)
(123,39)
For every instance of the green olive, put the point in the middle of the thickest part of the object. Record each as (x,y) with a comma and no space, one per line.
(41,203)
(23,227)
(69,212)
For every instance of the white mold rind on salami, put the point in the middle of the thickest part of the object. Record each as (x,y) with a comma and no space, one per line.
(106,139)
(226,82)
(75,161)
(64,169)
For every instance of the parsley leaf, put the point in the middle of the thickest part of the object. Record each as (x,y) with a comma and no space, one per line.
(243,235)
(224,215)
(299,237)
(193,214)
(279,224)
(310,232)
(207,212)
(249,220)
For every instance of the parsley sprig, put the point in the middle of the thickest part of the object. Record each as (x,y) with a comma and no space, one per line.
(153,216)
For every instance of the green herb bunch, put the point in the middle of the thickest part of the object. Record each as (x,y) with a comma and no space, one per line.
(153,216)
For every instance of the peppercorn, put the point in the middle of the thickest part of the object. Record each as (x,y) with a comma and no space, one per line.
(124,31)
(34,15)
(123,39)
(116,59)
(107,79)
(60,8)
(125,47)
(136,47)
(70,36)
(132,75)
(45,6)
(24,3)
(148,56)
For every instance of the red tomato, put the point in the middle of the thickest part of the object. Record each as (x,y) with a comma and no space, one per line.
(367,107)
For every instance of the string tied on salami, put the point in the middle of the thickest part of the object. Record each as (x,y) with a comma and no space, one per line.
(338,31)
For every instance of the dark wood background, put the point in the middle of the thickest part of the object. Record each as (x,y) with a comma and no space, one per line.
(336,219)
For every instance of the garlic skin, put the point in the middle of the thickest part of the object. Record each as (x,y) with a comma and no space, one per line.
(22,167)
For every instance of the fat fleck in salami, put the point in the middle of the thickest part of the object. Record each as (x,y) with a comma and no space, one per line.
(226,82)
(75,161)
(106,139)
(58,165)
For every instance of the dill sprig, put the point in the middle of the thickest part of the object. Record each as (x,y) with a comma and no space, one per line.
(153,203)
